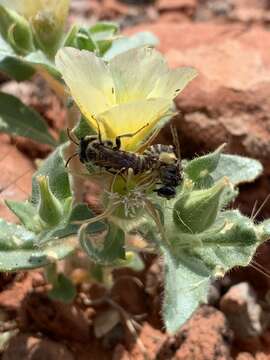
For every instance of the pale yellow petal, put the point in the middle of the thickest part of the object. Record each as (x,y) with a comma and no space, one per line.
(135,73)
(173,82)
(88,80)
(128,118)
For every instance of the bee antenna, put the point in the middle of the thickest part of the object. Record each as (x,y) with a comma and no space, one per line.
(70,158)
(176,142)
(71,138)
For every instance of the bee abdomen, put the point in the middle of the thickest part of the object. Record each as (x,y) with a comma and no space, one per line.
(157,149)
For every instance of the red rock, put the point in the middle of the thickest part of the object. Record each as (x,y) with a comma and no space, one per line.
(175,4)
(205,336)
(65,321)
(15,176)
(11,298)
(28,347)
(130,295)
(245,356)
(242,310)
(150,341)
(38,95)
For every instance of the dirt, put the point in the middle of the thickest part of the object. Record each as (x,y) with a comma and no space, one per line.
(228,42)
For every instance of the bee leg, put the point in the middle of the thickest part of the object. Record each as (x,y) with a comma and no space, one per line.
(118,138)
(113,172)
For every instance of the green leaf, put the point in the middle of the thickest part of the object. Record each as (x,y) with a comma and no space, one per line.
(193,259)
(126,43)
(199,169)
(231,242)
(19,252)
(238,169)
(186,287)
(103,30)
(12,65)
(85,42)
(63,290)
(39,58)
(18,119)
(103,249)
(54,168)
(102,34)
(26,212)
(79,213)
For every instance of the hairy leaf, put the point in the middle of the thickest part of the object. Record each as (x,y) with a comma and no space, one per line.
(103,249)
(238,169)
(186,285)
(19,252)
(54,168)
(192,259)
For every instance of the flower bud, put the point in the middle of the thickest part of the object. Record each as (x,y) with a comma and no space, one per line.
(196,211)
(48,26)
(49,208)
(16,30)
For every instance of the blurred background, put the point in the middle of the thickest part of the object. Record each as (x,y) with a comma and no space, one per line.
(228,42)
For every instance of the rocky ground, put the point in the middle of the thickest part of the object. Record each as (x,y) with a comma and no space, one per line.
(228,42)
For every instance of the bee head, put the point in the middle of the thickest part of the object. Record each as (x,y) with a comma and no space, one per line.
(83,146)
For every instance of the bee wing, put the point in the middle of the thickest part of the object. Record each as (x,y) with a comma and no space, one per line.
(155,133)
(176,142)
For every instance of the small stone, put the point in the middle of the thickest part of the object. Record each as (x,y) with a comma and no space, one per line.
(205,336)
(243,312)
(27,347)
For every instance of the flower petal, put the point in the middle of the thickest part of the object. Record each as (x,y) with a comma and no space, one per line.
(129,118)
(88,79)
(173,82)
(135,73)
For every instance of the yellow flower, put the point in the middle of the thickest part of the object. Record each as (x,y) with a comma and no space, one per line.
(132,90)
(47,19)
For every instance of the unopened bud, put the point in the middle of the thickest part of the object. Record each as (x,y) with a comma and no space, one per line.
(16,30)
(197,210)
(49,208)
(48,26)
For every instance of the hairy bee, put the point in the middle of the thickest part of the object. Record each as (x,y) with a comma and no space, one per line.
(160,159)
(165,160)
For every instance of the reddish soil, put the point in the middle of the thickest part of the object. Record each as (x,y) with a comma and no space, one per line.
(228,42)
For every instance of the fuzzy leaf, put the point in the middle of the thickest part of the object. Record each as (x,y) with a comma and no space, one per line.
(102,34)
(200,167)
(238,169)
(186,286)
(18,250)
(194,258)
(103,249)
(54,168)
(26,212)
(18,119)
(126,43)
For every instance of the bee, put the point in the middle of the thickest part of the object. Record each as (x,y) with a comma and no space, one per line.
(159,159)
(167,160)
